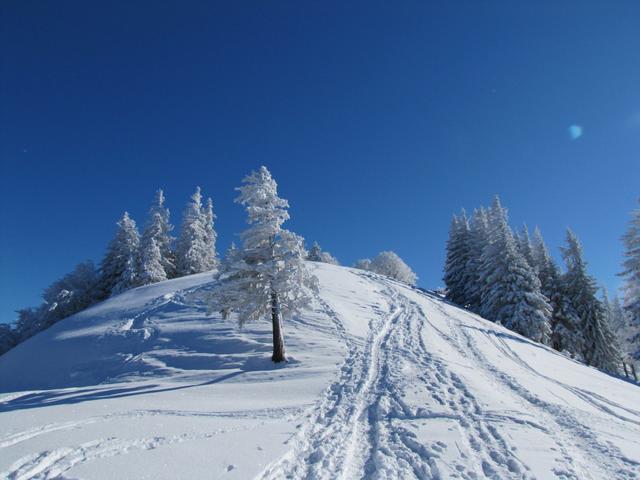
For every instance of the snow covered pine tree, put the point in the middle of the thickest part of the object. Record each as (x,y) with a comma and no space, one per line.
(119,268)
(195,251)
(525,247)
(565,332)
(478,241)
(600,347)
(267,276)
(456,273)
(511,293)
(211,260)
(157,261)
(631,288)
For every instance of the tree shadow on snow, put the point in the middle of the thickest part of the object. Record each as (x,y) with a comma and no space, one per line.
(48,398)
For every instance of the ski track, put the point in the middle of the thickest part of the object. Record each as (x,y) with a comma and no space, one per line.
(332,436)
(575,440)
(258,414)
(53,463)
(362,428)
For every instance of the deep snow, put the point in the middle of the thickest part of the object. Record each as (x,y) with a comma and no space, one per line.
(384,381)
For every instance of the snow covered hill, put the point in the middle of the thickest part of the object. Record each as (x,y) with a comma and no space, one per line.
(384,382)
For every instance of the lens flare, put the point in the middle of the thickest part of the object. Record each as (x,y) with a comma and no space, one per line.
(575,132)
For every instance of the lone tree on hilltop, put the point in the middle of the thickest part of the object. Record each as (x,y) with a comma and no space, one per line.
(267,276)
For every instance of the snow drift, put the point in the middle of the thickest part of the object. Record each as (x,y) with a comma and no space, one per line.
(384,381)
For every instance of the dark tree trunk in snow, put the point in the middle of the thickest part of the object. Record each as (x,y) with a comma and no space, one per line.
(278,339)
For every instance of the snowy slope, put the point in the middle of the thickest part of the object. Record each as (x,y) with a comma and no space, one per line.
(384,382)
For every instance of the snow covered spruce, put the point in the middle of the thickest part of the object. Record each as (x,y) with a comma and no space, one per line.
(119,268)
(157,259)
(267,276)
(196,247)
(628,321)
(511,292)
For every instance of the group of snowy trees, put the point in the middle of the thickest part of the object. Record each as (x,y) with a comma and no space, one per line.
(390,265)
(626,320)
(265,277)
(507,278)
(316,254)
(131,260)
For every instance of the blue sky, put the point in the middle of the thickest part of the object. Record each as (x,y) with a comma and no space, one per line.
(378,119)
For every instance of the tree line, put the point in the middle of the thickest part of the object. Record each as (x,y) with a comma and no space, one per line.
(626,320)
(508,278)
(500,274)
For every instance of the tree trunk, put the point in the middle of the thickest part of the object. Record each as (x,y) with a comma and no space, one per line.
(633,370)
(626,374)
(278,339)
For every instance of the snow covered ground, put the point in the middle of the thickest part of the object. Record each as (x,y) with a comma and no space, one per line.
(384,381)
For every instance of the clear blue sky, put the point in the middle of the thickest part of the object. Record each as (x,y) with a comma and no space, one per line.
(378,119)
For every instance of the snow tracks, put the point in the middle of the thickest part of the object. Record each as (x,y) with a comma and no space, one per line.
(366,424)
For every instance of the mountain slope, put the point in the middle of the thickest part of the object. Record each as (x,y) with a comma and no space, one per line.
(384,381)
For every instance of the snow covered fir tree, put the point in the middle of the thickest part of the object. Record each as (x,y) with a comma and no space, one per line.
(458,276)
(157,259)
(119,268)
(566,335)
(267,276)
(510,288)
(630,328)
(599,345)
(195,250)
